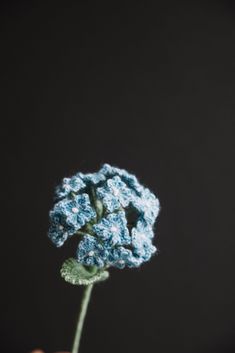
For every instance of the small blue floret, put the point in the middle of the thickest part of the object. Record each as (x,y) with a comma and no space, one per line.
(115,194)
(113,229)
(68,186)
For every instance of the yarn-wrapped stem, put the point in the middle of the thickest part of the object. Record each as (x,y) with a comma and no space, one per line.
(81,318)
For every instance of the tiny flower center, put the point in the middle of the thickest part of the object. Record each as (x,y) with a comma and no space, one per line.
(91,253)
(121,262)
(114,229)
(142,236)
(61,227)
(75,210)
(115,192)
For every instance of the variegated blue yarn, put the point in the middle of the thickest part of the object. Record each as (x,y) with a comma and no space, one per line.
(112,215)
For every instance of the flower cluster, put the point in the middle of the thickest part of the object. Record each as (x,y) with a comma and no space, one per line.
(111,213)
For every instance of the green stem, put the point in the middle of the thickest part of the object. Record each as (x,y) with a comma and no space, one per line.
(81,318)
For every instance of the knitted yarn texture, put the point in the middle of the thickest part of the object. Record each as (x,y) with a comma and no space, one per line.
(111,214)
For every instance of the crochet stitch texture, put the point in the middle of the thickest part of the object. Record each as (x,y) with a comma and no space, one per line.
(112,215)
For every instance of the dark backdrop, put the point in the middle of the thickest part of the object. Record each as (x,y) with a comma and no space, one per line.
(146,86)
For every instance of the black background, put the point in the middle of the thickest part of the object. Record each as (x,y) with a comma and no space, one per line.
(147,86)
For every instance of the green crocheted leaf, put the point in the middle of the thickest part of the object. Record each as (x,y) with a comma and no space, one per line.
(75,273)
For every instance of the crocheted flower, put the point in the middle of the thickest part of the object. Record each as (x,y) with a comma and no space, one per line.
(126,177)
(90,252)
(58,231)
(142,241)
(111,213)
(68,216)
(69,185)
(147,205)
(113,229)
(115,194)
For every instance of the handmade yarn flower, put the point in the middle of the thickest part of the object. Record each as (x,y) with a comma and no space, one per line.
(111,214)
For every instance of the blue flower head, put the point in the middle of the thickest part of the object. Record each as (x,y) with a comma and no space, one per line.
(111,214)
